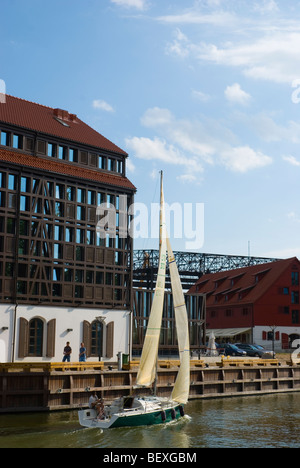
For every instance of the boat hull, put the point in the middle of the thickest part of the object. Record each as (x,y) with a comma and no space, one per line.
(148,419)
(152,413)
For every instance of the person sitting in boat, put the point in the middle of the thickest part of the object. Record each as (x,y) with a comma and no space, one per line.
(97,404)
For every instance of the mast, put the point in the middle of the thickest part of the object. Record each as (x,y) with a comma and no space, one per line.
(148,364)
(160,242)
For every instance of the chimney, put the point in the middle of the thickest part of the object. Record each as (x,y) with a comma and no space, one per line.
(72,117)
(64,115)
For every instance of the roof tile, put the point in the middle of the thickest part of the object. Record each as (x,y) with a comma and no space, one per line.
(63,168)
(46,120)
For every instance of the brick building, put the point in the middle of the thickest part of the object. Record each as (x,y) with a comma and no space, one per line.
(59,279)
(248,303)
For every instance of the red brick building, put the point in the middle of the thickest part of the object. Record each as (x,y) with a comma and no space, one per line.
(247,303)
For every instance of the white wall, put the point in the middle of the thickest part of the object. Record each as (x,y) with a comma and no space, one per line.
(66,318)
(258,333)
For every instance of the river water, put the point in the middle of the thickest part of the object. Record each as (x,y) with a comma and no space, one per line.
(271,421)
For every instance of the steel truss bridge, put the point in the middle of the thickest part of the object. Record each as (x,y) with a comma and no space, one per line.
(191,266)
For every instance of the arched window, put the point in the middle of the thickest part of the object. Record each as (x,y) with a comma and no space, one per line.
(36,331)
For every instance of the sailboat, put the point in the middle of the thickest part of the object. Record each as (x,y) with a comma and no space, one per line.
(150,410)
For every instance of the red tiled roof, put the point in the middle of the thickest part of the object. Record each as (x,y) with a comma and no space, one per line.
(63,168)
(42,119)
(242,280)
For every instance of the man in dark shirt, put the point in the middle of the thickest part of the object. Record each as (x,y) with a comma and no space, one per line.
(67,352)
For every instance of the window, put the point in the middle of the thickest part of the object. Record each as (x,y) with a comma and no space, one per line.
(91,197)
(25,184)
(68,275)
(295,297)
(4,138)
(119,167)
(51,150)
(24,203)
(295,278)
(2,180)
(286,291)
(71,191)
(36,329)
(96,339)
(111,164)
(73,155)
(12,182)
(69,234)
(60,191)
(81,196)
(80,213)
(62,152)
(295,316)
(17,141)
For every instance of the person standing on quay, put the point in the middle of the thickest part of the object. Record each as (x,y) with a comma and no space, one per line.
(82,353)
(67,352)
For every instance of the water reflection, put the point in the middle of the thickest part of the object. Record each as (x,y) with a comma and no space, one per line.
(258,421)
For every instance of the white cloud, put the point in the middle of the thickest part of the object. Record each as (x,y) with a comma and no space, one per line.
(270,131)
(266,6)
(201,96)
(194,16)
(190,136)
(272,58)
(243,159)
(291,160)
(103,105)
(193,145)
(188,178)
(138,4)
(266,51)
(235,94)
(130,166)
(159,150)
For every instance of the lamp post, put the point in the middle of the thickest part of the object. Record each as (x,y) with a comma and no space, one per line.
(273,328)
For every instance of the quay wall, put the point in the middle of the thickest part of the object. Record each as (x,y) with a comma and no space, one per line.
(26,389)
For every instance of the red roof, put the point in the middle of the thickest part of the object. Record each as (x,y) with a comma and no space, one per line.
(63,168)
(47,120)
(243,285)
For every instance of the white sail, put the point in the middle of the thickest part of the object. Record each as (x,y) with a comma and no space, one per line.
(181,388)
(147,370)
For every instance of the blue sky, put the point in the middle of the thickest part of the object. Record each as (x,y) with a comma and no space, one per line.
(207,90)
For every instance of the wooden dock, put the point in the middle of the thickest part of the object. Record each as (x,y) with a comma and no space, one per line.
(57,386)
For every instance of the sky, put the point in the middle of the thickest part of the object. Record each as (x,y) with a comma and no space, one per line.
(206,90)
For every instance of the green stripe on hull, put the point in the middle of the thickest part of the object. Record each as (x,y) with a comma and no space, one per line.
(146,419)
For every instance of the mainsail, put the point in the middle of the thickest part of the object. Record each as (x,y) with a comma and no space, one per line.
(182,385)
(147,370)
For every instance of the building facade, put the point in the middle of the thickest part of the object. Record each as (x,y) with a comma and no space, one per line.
(256,304)
(61,277)
(168,345)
